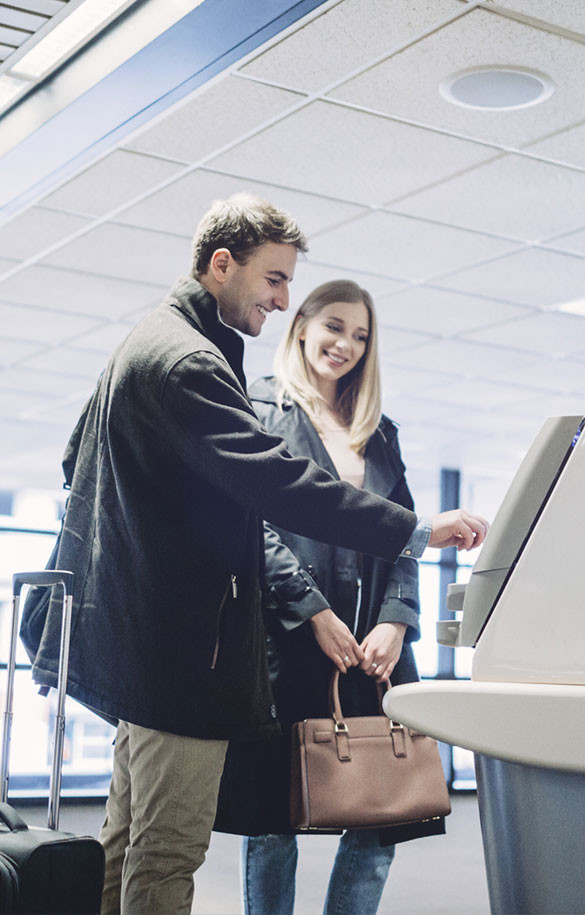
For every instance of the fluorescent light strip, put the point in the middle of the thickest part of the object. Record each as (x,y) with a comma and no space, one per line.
(10,87)
(73,31)
(577,307)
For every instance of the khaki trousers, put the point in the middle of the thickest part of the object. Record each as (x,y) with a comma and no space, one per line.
(159,817)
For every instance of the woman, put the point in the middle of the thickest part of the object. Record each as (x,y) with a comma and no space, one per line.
(325,603)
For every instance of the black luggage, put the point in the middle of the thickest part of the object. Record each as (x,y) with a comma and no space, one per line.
(44,871)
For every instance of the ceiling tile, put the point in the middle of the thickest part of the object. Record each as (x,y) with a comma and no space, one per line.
(482,394)
(566,146)
(111,182)
(6,265)
(495,420)
(22,438)
(15,404)
(342,38)
(126,253)
(35,230)
(194,130)
(40,324)
(178,207)
(565,13)
(513,196)
(462,358)
(11,351)
(407,84)
(404,248)
(334,141)
(80,293)
(258,359)
(67,361)
(561,375)
(309,275)
(574,243)
(103,340)
(555,334)
(437,311)
(531,277)
(551,405)
(65,412)
(47,383)
(390,339)
(35,467)
(401,407)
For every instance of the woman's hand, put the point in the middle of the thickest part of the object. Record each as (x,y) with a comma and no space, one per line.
(335,639)
(382,647)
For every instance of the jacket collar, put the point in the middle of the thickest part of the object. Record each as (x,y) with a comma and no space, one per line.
(201,310)
(380,472)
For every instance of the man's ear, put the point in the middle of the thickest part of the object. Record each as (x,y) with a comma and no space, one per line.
(219,264)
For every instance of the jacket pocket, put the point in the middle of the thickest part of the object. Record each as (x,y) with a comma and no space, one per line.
(233,586)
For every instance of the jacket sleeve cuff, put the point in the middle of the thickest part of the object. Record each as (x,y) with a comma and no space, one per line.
(395,610)
(298,599)
(418,540)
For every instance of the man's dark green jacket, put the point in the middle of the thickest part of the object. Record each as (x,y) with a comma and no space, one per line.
(171,474)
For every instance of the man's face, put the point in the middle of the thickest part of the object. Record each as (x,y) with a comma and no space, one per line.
(252,290)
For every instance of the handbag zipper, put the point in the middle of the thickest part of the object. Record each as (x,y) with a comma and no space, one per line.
(233,584)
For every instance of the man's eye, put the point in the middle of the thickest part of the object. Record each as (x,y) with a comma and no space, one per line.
(272,281)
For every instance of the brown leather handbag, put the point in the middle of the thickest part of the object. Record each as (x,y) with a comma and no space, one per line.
(361,773)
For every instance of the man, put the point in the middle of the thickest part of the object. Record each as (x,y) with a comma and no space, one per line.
(170,474)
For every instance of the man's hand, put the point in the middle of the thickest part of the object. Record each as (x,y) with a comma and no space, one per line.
(336,640)
(382,647)
(458,528)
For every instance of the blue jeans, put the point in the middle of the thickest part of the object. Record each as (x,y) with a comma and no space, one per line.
(355,886)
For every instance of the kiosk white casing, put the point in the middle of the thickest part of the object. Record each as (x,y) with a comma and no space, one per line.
(523,712)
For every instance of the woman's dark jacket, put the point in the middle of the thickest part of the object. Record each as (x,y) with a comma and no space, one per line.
(303,577)
(170,473)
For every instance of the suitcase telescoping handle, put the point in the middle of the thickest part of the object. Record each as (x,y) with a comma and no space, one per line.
(40,579)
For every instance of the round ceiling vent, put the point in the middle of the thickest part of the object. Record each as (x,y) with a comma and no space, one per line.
(497,88)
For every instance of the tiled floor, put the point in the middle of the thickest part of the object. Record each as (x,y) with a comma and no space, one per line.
(442,875)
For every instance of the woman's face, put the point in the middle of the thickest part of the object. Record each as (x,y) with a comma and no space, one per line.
(335,340)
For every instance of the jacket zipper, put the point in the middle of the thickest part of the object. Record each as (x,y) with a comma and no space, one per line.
(233,584)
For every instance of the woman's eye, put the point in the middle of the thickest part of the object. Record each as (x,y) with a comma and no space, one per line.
(362,339)
(333,327)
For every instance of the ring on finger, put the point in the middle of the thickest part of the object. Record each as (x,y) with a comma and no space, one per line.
(347,659)
(373,665)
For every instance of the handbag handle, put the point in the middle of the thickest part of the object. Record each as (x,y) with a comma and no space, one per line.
(335,704)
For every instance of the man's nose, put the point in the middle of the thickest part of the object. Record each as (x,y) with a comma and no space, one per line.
(281,299)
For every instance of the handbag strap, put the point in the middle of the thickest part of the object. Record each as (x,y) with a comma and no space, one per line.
(335,704)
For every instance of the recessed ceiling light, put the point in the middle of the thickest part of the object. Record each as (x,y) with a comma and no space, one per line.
(496,88)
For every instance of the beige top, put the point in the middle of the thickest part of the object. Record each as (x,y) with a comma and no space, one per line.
(349,465)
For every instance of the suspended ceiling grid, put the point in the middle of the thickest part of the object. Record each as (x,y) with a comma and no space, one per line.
(467,227)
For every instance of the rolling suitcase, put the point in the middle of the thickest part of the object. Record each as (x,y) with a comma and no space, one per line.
(45,871)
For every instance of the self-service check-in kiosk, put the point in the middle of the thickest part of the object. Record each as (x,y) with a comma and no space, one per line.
(523,711)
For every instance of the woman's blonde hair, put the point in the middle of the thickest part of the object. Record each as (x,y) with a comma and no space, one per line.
(359,392)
